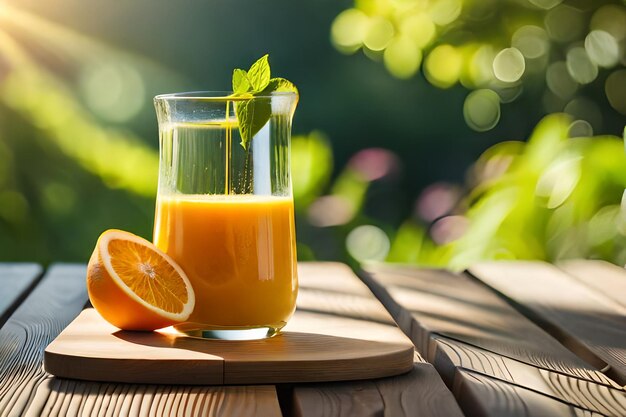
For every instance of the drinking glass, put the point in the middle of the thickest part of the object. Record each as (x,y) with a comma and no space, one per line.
(224,209)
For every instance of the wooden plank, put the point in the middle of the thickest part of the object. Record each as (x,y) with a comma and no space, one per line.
(16,279)
(66,397)
(50,306)
(607,399)
(483,396)
(337,400)
(436,301)
(458,323)
(602,276)
(587,322)
(340,332)
(417,393)
(25,389)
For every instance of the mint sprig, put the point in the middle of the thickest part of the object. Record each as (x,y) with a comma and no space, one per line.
(252,114)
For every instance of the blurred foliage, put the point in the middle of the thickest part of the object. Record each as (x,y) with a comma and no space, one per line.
(552,197)
(311,167)
(75,123)
(500,49)
(64,174)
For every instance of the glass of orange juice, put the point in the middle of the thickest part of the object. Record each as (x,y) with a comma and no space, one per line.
(224,209)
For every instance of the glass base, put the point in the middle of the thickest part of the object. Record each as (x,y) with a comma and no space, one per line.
(229,333)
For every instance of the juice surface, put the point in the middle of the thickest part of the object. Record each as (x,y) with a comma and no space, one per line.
(238,252)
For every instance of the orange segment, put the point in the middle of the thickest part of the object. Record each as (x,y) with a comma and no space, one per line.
(148,275)
(135,286)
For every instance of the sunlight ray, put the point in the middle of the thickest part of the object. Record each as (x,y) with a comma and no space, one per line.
(120,158)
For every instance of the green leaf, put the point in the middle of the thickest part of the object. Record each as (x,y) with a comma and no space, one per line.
(281,84)
(252,115)
(259,74)
(254,112)
(241,84)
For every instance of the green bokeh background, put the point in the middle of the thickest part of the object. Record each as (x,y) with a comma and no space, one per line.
(193,45)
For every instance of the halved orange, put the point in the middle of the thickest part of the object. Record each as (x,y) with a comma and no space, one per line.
(135,286)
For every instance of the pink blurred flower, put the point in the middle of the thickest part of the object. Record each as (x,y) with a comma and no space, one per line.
(375,163)
(437,200)
(448,229)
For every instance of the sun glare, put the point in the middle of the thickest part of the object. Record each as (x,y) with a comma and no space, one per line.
(113,93)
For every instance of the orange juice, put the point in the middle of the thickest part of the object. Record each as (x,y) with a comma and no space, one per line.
(239,254)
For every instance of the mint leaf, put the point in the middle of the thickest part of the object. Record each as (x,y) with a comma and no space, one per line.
(254,112)
(259,74)
(252,115)
(240,81)
(281,84)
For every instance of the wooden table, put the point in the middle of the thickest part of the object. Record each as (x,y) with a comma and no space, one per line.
(502,339)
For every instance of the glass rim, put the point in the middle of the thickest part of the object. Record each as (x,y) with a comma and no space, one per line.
(218,96)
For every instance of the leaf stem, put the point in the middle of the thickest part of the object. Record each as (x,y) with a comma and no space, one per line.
(228,150)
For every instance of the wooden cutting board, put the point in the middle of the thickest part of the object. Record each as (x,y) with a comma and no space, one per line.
(339,332)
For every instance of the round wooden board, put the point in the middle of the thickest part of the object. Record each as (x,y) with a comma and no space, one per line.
(341,334)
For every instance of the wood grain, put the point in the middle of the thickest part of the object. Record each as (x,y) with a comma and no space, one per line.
(340,332)
(53,304)
(15,280)
(459,324)
(602,276)
(417,393)
(586,321)
(483,396)
(26,390)
(63,397)
(436,301)
(608,399)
